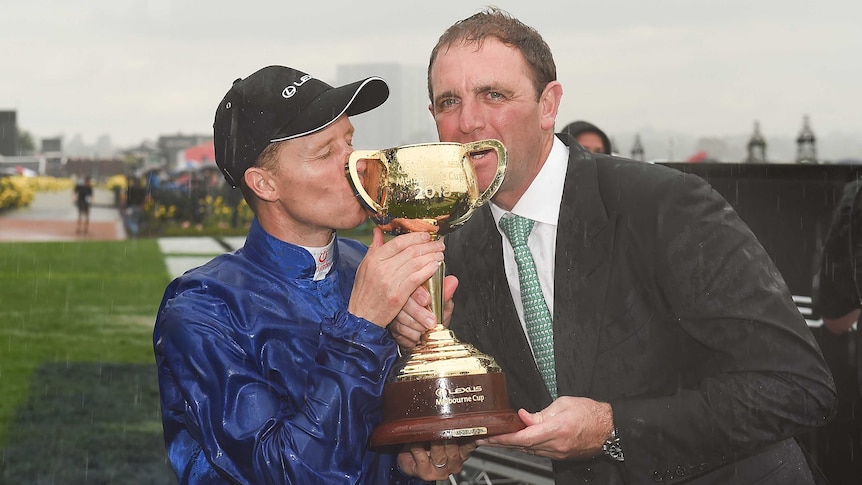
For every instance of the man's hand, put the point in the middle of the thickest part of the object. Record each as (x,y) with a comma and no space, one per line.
(391,272)
(416,317)
(434,461)
(840,324)
(571,428)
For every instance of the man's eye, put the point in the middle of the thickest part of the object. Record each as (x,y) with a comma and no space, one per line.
(447,103)
(494,95)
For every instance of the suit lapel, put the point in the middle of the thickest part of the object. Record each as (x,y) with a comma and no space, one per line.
(585,238)
(584,241)
(504,331)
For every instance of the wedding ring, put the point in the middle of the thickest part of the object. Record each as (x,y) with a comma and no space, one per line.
(440,465)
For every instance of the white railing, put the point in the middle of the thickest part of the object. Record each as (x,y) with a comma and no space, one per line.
(499,466)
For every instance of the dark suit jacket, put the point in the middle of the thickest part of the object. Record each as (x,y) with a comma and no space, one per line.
(666,306)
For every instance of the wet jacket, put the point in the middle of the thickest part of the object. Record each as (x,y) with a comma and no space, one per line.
(667,307)
(835,291)
(265,378)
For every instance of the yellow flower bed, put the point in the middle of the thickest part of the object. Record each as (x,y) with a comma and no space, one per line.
(50,184)
(116,182)
(19,191)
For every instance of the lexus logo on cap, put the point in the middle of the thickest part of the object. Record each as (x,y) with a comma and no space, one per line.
(289,91)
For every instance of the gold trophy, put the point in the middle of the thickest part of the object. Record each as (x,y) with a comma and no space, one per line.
(443,389)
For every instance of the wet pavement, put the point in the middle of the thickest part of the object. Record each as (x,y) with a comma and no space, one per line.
(53,217)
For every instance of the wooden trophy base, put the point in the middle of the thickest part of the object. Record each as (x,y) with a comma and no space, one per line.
(466,406)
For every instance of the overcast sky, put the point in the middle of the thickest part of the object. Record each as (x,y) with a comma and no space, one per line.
(139,69)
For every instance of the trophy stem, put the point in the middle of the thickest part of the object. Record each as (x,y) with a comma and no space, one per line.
(434,285)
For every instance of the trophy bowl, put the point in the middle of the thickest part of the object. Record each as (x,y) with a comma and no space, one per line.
(444,388)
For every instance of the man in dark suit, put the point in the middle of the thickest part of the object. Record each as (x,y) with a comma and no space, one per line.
(676,352)
(838,298)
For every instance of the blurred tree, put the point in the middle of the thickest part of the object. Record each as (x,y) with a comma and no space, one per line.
(133,162)
(25,143)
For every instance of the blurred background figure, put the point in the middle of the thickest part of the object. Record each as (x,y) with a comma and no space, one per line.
(589,136)
(838,298)
(83,196)
(136,196)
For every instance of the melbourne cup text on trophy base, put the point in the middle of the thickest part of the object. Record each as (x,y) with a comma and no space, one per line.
(444,389)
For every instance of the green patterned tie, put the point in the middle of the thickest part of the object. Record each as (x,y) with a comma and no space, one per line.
(540,328)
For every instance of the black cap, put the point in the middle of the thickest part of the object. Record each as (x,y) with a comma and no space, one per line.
(279,103)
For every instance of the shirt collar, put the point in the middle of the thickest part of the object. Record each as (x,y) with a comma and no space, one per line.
(323,258)
(289,260)
(541,201)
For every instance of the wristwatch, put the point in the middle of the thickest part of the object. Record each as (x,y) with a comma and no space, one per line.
(612,447)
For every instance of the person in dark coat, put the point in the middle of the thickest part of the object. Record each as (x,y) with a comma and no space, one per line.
(838,299)
(676,351)
(136,197)
(83,197)
(589,136)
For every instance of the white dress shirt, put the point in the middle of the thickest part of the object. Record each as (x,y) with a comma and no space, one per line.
(541,203)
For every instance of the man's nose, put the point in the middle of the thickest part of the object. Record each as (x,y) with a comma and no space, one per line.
(471,116)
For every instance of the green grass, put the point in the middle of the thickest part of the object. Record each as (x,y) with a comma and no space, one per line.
(88,423)
(78,390)
(66,309)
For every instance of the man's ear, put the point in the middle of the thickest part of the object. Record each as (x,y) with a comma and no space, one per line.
(550,104)
(260,182)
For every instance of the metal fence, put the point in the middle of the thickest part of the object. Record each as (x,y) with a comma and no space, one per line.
(499,466)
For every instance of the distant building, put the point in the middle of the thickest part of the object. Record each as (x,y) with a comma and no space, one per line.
(8,133)
(806,144)
(52,145)
(52,152)
(419,126)
(380,127)
(22,165)
(404,118)
(171,147)
(99,169)
(638,149)
(756,146)
(144,156)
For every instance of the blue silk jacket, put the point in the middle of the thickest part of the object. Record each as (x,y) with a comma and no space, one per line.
(265,378)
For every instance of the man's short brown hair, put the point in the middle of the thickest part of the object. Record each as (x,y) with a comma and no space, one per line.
(493,22)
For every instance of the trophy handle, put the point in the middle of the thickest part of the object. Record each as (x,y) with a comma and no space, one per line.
(502,159)
(356,180)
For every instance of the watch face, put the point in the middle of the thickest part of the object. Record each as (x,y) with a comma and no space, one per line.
(612,448)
